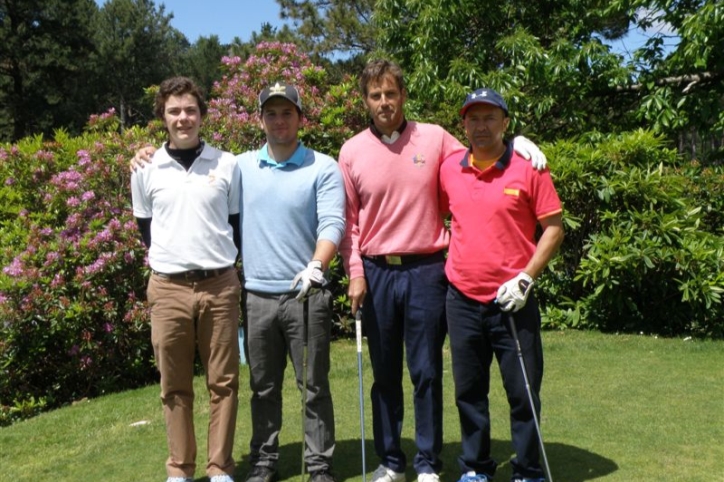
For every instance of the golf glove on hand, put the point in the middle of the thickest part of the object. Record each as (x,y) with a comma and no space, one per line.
(513,294)
(311,278)
(527,149)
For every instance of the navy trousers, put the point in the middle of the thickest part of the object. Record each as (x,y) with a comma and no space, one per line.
(477,332)
(404,312)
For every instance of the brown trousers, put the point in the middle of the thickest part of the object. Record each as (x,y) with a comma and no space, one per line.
(185,316)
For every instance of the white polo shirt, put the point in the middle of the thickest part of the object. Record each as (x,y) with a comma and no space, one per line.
(190,209)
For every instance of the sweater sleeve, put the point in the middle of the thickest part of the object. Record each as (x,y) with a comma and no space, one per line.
(330,204)
(349,248)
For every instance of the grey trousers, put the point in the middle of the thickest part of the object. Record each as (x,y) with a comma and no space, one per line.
(274,328)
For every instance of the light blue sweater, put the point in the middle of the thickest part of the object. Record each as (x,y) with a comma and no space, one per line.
(285,209)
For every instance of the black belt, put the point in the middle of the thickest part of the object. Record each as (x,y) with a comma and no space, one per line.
(401,259)
(193,275)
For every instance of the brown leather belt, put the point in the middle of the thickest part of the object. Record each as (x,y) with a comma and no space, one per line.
(400,259)
(193,275)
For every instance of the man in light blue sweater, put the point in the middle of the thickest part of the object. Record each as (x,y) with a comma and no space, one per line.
(292,205)
(292,220)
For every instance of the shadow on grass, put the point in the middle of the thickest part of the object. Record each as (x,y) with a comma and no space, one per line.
(568,463)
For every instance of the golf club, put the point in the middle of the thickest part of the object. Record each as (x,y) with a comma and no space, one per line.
(305,334)
(514,330)
(358,330)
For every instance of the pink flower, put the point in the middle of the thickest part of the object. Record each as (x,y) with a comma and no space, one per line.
(104,236)
(58,281)
(85,362)
(15,268)
(99,263)
(51,258)
(83,157)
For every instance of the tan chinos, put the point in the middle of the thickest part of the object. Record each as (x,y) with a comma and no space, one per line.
(186,315)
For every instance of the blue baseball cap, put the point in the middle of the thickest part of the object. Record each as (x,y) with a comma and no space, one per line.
(484,96)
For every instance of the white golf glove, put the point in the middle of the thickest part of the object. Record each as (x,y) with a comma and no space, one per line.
(528,150)
(311,278)
(513,294)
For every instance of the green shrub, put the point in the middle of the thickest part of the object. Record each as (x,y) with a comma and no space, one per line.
(638,255)
(74,321)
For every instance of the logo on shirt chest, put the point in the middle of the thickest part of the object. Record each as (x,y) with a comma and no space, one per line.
(212,176)
(418,160)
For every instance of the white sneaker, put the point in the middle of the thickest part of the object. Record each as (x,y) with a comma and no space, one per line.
(180,479)
(383,474)
(428,477)
(221,478)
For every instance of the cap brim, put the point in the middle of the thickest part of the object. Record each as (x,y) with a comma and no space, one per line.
(468,105)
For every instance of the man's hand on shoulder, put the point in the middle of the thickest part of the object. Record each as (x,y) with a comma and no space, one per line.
(528,150)
(143,156)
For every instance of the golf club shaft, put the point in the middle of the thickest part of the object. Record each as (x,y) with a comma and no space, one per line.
(529,391)
(305,335)
(358,331)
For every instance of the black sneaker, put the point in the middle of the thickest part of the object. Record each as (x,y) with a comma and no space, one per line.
(323,475)
(262,473)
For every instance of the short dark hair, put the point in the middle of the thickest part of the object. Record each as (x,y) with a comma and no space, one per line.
(177,86)
(375,70)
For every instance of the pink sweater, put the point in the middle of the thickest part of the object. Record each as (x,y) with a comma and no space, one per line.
(392,194)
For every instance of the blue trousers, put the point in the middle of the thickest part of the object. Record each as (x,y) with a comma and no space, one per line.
(404,312)
(477,332)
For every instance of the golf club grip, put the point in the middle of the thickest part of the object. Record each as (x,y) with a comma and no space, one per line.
(358,330)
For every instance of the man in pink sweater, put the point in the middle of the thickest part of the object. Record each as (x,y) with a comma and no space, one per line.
(393,252)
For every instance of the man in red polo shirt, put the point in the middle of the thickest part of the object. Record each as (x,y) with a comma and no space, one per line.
(497,201)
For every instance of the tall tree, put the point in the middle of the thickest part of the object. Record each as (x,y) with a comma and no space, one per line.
(268,33)
(46,79)
(680,72)
(137,47)
(202,61)
(545,69)
(561,75)
(341,27)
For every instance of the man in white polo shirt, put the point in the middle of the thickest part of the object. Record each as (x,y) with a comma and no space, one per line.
(187,206)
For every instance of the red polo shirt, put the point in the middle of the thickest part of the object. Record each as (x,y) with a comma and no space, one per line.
(494,217)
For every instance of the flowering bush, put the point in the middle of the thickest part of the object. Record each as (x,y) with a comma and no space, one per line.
(73,319)
(332,113)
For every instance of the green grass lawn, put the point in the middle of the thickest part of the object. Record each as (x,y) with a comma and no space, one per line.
(615,408)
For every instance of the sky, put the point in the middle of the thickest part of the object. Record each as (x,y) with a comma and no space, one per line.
(225,18)
(637,38)
(239,18)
